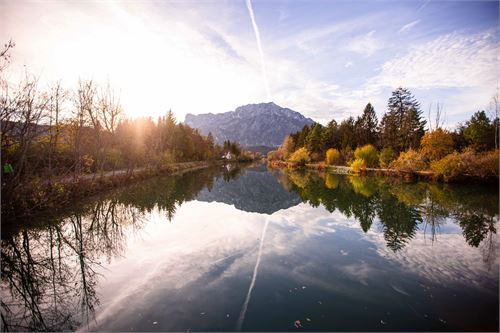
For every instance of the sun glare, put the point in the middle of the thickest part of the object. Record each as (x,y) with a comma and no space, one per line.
(154,65)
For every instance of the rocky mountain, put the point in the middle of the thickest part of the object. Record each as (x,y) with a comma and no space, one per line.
(264,124)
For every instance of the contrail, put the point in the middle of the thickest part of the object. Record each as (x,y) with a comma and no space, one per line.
(259,45)
(254,277)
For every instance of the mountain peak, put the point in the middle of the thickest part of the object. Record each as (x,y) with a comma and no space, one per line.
(261,124)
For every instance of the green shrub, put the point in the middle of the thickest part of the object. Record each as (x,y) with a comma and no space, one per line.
(410,160)
(358,165)
(369,154)
(332,156)
(449,167)
(300,156)
(386,156)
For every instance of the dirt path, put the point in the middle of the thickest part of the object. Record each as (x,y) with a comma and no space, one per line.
(177,168)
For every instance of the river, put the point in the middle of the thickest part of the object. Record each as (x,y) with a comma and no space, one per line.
(247,248)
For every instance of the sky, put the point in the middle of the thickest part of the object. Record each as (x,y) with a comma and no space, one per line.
(324,59)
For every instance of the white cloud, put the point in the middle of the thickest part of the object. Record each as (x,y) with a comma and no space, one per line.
(450,61)
(366,44)
(408,26)
(348,64)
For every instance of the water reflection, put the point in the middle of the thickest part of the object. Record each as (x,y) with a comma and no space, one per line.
(49,267)
(400,208)
(257,191)
(169,247)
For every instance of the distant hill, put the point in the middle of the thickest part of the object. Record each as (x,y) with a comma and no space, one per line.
(252,125)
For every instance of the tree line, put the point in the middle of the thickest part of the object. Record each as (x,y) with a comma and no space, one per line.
(400,141)
(57,132)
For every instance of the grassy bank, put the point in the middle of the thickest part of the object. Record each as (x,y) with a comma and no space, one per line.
(426,175)
(40,194)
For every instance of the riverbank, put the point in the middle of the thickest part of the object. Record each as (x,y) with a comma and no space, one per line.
(407,175)
(41,194)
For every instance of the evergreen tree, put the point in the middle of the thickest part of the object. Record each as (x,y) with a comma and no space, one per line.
(479,132)
(313,140)
(412,129)
(366,126)
(346,133)
(329,135)
(302,137)
(210,141)
(402,126)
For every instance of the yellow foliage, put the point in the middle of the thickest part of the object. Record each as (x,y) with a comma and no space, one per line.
(331,181)
(409,160)
(449,167)
(300,156)
(436,144)
(358,165)
(299,179)
(332,156)
(369,154)
(362,185)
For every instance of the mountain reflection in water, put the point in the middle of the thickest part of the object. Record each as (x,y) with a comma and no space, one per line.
(178,253)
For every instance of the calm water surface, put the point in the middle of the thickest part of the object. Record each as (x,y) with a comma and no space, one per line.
(250,249)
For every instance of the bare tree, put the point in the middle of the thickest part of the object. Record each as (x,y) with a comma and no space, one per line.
(84,106)
(495,112)
(5,54)
(109,111)
(21,115)
(438,117)
(57,96)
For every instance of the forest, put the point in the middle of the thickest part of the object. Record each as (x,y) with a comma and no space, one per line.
(402,141)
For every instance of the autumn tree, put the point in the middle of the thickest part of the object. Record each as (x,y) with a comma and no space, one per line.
(288,146)
(437,144)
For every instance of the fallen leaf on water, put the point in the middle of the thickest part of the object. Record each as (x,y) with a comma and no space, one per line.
(297,324)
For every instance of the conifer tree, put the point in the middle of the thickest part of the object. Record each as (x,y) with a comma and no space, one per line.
(402,127)
(366,126)
(313,141)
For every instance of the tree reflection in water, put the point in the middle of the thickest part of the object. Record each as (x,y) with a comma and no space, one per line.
(50,270)
(402,208)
